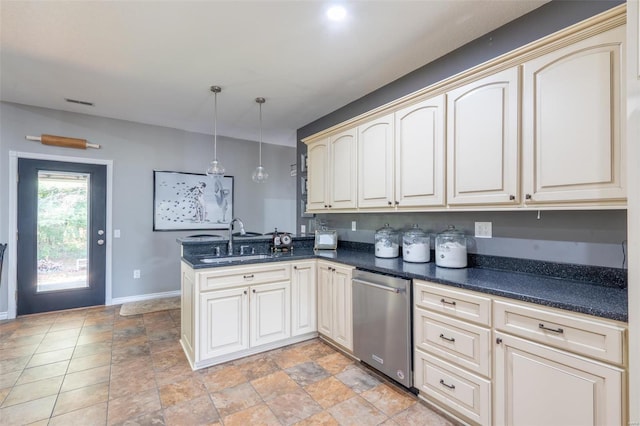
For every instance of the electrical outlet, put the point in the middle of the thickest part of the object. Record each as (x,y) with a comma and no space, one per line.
(303,229)
(483,229)
(353,225)
(136,274)
(116,233)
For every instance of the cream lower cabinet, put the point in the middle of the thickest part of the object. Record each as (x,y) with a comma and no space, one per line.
(335,312)
(572,118)
(230,312)
(557,368)
(303,298)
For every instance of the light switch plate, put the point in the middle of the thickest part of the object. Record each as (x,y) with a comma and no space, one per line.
(353,225)
(483,230)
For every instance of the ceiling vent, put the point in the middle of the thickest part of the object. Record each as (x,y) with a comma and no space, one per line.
(76,101)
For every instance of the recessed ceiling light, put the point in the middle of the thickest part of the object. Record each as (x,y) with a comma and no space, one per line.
(336,13)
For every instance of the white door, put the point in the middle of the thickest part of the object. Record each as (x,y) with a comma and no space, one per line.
(572,118)
(270,307)
(375,163)
(303,298)
(538,385)
(419,154)
(224,322)
(482,141)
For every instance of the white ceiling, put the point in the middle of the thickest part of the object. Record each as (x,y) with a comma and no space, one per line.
(154,61)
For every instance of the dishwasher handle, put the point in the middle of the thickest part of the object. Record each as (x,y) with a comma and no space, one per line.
(381,287)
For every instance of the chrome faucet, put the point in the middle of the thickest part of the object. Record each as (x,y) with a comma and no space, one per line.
(242,232)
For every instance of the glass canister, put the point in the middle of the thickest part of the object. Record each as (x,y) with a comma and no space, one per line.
(451,248)
(387,242)
(416,245)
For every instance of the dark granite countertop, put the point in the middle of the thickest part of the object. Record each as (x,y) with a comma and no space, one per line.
(571,295)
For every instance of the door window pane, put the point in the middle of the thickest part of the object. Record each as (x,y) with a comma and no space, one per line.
(62,227)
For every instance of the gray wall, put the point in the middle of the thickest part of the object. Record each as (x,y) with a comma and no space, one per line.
(578,237)
(136,150)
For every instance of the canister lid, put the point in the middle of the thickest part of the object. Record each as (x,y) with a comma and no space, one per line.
(415,231)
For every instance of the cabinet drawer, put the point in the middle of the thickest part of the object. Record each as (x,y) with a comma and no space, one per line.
(457,341)
(460,304)
(592,338)
(243,275)
(461,391)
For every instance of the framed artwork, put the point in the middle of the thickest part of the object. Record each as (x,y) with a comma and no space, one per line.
(303,185)
(303,163)
(191,201)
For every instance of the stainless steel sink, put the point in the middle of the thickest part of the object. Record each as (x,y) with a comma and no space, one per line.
(231,259)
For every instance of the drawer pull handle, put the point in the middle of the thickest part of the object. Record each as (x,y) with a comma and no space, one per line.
(447,302)
(246,277)
(554,330)
(446,385)
(448,339)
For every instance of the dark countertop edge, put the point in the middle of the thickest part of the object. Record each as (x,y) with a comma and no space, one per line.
(208,240)
(361,260)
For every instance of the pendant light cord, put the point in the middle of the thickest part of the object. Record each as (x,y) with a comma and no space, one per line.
(260,146)
(215,125)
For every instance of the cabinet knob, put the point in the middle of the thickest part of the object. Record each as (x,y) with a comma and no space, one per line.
(254,290)
(295,267)
(330,206)
(528,196)
(397,202)
(498,340)
(389,202)
(325,206)
(512,197)
(245,292)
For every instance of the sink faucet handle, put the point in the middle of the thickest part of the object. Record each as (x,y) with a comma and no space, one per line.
(243,249)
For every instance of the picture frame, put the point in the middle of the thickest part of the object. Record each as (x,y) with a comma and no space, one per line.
(303,185)
(303,163)
(191,201)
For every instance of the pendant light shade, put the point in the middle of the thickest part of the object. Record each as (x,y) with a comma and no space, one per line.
(216,169)
(260,174)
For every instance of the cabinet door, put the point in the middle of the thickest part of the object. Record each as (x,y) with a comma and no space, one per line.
(317,158)
(342,309)
(187,319)
(343,152)
(419,154)
(537,385)
(482,141)
(572,117)
(270,315)
(375,163)
(224,322)
(303,298)
(325,300)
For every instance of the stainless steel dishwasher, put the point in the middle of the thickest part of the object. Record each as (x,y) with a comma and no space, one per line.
(382,324)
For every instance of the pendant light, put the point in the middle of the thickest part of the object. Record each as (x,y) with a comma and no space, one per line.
(216,169)
(260,175)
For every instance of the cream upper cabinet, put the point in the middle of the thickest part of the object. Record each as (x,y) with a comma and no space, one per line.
(376,163)
(343,152)
(572,117)
(419,154)
(317,158)
(332,177)
(482,141)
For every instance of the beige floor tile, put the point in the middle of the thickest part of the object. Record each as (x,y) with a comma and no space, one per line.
(43,372)
(34,390)
(155,418)
(14,364)
(199,411)
(17,352)
(131,367)
(105,336)
(335,363)
(81,398)
(321,419)
(293,407)
(132,406)
(256,415)
(88,362)
(356,411)
(132,384)
(358,379)
(420,415)
(28,412)
(9,379)
(85,378)
(181,391)
(275,384)
(15,342)
(222,378)
(30,331)
(306,373)
(50,357)
(92,349)
(3,394)
(168,359)
(329,392)
(52,345)
(315,349)
(127,353)
(175,373)
(61,325)
(256,367)
(234,399)
(388,399)
(290,356)
(95,415)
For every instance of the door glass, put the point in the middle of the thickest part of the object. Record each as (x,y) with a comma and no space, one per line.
(63,219)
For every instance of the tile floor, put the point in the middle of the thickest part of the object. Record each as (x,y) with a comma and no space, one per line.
(95,367)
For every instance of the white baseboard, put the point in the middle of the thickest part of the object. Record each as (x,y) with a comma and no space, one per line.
(140,297)
(4,315)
